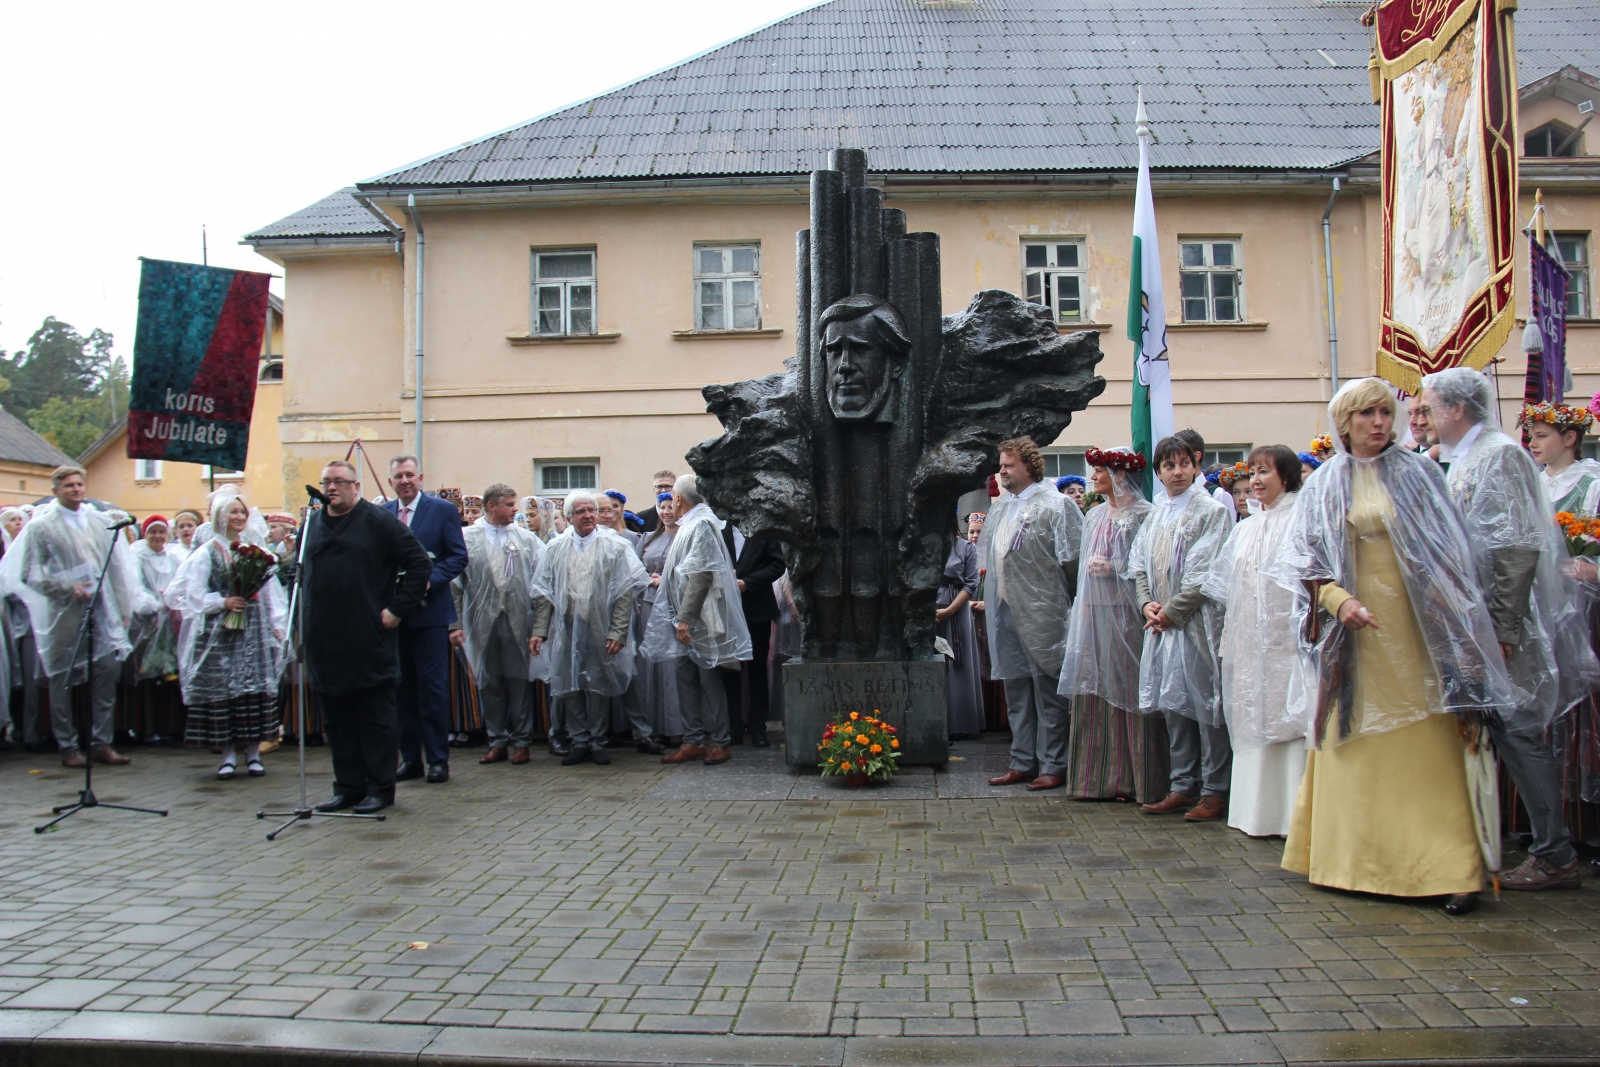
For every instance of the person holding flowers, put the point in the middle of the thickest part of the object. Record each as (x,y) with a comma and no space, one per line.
(230,649)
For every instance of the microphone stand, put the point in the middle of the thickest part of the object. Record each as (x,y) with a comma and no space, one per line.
(297,609)
(86,797)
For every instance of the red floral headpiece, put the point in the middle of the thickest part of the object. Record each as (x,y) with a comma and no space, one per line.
(1115,459)
(1560,416)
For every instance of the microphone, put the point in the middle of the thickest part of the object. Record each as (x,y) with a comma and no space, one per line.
(318,495)
(124,522)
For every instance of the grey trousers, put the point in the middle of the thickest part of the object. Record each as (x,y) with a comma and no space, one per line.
(503,689)
(588,718)
(104,674)
(1526,752)
(633,707)
(703,703)
(1039,720)
(1202,757)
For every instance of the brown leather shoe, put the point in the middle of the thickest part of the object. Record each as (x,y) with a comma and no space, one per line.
(1011,778)
(520,754)
(1174,803)
(110,757)
(494,755)
(715,755)
(73,757)
(1535,874)
(684,754)
(1210,809)
(1046,781)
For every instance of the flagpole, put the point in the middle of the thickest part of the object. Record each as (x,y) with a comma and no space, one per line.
(1151,409)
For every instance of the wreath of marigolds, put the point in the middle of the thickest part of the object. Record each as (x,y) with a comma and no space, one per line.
(860,744)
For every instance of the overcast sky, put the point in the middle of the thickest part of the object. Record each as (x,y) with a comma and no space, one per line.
(125,127)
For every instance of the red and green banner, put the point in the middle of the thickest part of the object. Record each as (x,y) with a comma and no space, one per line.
(195,358)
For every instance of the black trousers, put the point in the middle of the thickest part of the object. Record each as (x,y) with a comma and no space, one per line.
(363,739)
(750,716)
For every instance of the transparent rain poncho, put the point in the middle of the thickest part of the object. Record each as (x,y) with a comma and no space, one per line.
(1026,544)
(50,556)
(216,664)
(582,587)
(1500,496)
(1175,550)
(699,561)
(1106,636)
(1265,694)
(154,631)
(1464,669)
(498,581)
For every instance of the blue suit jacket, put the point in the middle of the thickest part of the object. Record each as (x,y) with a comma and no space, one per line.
(438,526)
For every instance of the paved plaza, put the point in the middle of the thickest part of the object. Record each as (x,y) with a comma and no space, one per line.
(740,914)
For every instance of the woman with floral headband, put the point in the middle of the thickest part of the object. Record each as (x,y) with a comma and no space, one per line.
(1113,752)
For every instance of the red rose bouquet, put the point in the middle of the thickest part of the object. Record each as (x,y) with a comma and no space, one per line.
(251,567)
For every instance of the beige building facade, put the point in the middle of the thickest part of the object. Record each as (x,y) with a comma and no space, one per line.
(569,325)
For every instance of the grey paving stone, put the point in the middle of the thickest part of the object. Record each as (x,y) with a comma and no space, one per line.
(784,1018)
(62,993)
(352,1004)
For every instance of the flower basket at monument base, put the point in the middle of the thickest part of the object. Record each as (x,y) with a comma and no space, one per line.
(860,748)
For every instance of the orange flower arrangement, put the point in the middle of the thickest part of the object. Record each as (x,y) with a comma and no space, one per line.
(858,744)
(1583,535)
(1322,446)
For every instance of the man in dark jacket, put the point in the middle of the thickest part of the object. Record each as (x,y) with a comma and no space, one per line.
(363,574)
(424,694)
(756,564)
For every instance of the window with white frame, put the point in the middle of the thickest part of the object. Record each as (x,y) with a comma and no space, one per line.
(727,287)
(1225,454)
(1053,275)
(147,470)
(558,477)
(1575,254)
(563,292)
(1210,279)
(1064,461)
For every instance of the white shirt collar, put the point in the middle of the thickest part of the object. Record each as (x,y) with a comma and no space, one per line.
(1448,453)
(585,542)
(1032,489)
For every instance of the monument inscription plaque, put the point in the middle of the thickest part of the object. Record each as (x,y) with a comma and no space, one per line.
(906,694)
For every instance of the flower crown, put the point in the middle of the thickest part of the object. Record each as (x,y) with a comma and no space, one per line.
(1228,475)
(1115,459)
(1322,446)
(1560,416)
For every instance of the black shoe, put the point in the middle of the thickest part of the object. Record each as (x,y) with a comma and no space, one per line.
(1461,904)
(409,770)
(371,805)
(600,756)
(438,772)
(576,756)
(648,747)
(337,802)
(759,739)
(559,748)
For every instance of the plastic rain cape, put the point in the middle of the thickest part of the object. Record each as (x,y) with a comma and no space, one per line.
(1501,498)
(1468,673)
(216,664)
(1106,637)
(49,556)
(1026,543)
(1176,549)
(582,586)
(1265,691)
(720,636)
(154,631)
(498,581)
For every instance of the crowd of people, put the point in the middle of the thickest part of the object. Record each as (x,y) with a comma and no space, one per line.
(1381,649)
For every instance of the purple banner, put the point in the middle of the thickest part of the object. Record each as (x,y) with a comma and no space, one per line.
(1549,314)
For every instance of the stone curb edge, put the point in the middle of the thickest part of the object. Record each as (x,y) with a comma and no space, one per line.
(134,1039)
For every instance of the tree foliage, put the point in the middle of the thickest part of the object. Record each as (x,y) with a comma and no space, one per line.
(69,388)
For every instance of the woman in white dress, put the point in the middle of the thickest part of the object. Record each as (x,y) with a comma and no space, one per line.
(1264,693)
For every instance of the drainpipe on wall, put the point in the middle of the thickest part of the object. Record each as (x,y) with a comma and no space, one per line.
(1327,265)
(416,223)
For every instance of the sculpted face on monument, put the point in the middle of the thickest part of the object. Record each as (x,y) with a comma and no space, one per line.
(864,344)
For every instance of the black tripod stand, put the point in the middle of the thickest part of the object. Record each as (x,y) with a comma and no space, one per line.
(86,797)
(305,812)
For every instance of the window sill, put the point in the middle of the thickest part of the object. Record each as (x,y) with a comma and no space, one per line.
(147,481)
(1236,327)
(1078,327)
(1576,324)
(520,339)
(708,335)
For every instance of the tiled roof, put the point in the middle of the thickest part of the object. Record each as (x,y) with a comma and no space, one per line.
(929,86)
(336,215)
(19,444)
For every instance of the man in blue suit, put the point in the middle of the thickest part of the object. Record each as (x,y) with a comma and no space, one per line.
(423,700)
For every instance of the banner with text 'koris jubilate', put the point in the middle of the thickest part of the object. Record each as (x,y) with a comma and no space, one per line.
(195,360)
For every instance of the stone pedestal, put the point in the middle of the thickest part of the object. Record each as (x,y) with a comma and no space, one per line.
(908,695)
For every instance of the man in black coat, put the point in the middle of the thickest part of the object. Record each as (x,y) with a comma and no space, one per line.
(756,564)
(363,573)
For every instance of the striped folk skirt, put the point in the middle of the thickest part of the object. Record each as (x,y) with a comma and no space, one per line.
(1114,754)
(244,720)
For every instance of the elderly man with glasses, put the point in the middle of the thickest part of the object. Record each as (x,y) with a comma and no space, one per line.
(363,574)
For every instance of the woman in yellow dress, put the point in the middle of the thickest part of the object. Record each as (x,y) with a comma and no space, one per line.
(1407,666)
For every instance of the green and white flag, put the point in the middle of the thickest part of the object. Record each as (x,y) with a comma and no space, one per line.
(1147,318)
